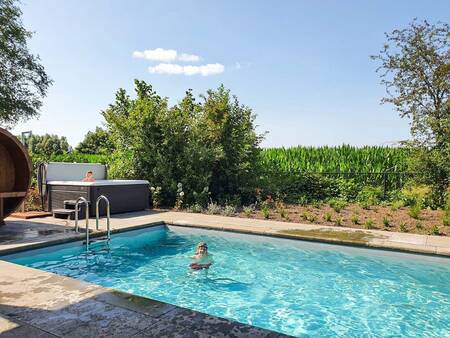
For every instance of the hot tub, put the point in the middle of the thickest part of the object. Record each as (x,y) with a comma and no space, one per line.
(63,182)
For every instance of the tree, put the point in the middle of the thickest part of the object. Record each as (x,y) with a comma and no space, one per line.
(415,68)
(23,81)
(46,146)
(96,142)
(208,146)
(230,130)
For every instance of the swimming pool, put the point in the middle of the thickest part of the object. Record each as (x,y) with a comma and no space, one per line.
(295,287)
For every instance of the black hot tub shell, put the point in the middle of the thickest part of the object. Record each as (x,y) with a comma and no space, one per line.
(123,195)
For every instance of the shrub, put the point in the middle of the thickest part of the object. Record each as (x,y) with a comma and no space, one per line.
(337,204)
(248,210)
(386,221)
(229,210)
(281,208)
(369,196)
(265,211)
(195,208)
(414,211)
(416,195)
(213,209)
(419,226)
(369,224)
(355,219)
(338,221)
(304,215)
(212,143)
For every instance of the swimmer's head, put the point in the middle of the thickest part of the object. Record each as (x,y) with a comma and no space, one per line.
(202,248)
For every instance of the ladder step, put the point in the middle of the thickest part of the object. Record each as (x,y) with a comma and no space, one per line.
(97,240)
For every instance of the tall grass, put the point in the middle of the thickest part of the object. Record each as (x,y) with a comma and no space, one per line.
(341,159)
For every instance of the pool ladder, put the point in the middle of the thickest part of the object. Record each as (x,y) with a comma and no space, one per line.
(83,200)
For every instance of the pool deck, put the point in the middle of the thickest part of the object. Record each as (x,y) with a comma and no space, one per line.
(35,303)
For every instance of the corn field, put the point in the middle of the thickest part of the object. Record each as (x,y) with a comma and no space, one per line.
(341,159)
(371,165)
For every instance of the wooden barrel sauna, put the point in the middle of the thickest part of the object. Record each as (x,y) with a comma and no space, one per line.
(15,173)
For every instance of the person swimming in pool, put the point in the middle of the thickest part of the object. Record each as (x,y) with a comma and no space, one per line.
(202,259)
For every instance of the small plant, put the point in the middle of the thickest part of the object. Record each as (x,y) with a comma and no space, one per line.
(312,218)
(229,210)
(327,217)
(415,210)
(180,197)
(304,215)
(213,209)
(369,224)
(338,221)
(355,219)
(265,211)
(386,221)
(302,200)
(195,208)
(156,197)
(281,208)
(419,226)
(337,204)
(435,230)
(316,204)
(446,218)
(403,227)
(248,210)
(397,205)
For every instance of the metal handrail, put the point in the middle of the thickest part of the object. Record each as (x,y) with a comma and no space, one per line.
(97,215)
(82,200)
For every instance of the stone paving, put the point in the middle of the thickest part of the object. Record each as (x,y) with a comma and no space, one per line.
(36,303)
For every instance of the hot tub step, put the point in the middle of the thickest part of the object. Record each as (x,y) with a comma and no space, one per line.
(63,213)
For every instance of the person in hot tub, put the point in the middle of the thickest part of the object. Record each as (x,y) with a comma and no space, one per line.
(89,177)
(202,259)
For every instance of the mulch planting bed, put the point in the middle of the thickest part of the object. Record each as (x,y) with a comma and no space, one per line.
(353,216)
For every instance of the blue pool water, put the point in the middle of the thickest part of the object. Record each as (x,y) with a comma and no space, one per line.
(295,287)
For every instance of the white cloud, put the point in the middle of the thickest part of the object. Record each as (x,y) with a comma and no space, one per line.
(175,69)
(165,55)
(157,54)
(189,57)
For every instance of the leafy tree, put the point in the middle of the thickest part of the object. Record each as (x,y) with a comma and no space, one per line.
(95,142)
(158,143)
(207,146)
(23,81)
(230,131)
(415,68)
(46,146)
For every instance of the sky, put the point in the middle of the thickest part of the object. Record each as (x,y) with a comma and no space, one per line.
(302,66)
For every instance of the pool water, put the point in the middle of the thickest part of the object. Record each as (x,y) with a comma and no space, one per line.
(295,287)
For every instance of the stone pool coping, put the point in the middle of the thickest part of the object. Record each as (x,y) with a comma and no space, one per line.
(42,304)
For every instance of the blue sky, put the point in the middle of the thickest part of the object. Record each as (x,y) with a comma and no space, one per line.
(302,66)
